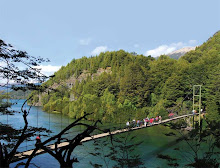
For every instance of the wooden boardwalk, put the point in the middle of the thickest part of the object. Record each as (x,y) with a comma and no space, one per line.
(26,154)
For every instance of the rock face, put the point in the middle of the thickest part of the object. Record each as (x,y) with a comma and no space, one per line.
(72,80)
(178,53)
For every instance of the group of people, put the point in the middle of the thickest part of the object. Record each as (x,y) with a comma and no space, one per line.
(145,122)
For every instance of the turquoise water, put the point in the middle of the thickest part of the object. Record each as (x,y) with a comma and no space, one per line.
(154,140)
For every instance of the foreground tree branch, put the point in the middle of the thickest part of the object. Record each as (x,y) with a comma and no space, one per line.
(11,71)
(63,154)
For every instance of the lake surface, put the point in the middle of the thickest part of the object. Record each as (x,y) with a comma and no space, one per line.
(154,139)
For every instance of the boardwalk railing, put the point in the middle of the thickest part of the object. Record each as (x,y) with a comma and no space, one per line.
(26,154)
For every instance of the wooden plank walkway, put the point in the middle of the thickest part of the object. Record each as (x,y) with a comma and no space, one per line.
(26,154)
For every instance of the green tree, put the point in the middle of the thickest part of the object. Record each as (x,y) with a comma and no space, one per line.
(121,152)
(203,143)
(108,104)
(172,89)
(132,84)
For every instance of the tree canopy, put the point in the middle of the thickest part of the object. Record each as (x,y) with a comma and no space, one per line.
(151,86)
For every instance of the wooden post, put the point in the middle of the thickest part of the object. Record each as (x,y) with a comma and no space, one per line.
(198,102)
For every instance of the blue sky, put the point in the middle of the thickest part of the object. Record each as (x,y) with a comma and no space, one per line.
(63,30)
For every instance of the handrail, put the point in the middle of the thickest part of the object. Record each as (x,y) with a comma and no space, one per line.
(25,154)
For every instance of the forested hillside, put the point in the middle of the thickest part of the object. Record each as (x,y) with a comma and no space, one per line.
(119,86)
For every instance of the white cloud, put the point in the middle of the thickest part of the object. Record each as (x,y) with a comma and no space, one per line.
(48,69)
(85,41)
(165,49)
(98,50)
(45,69)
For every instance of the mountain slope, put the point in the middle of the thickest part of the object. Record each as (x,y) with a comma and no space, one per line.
(178,53)
(119,86)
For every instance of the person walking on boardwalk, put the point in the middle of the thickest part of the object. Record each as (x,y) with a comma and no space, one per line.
(38,140)
(160,118)
(127,124)
(157,119)
(151,121)
(169,115)
(133,123)
(138,123)
(145,123)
